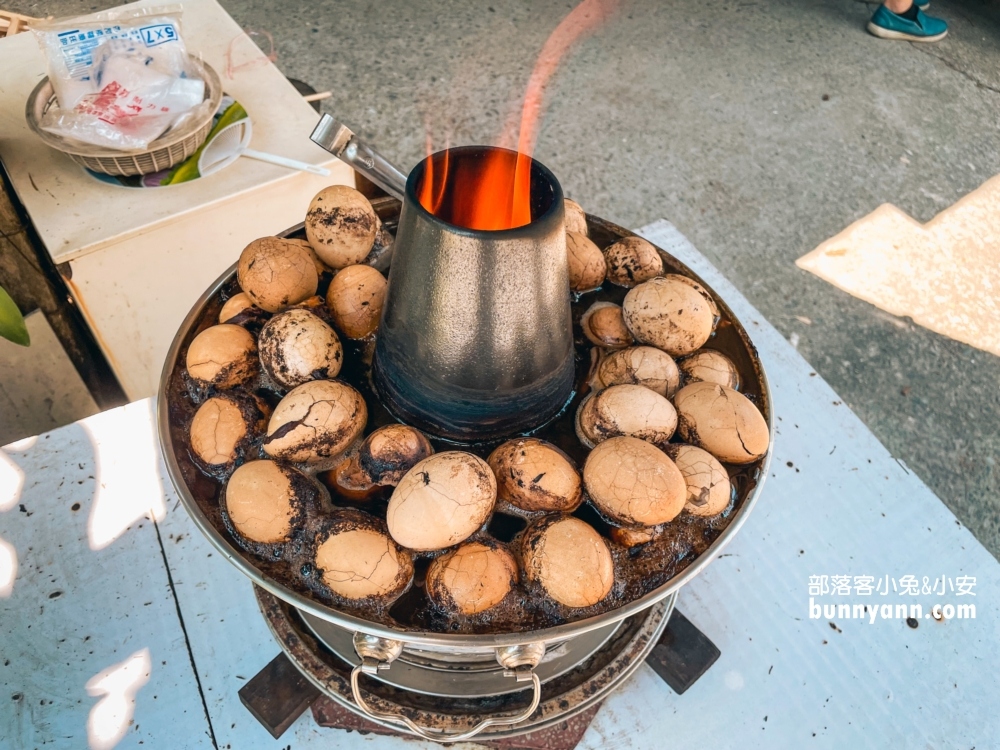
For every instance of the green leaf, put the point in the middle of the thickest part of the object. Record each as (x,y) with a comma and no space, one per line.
(12,325)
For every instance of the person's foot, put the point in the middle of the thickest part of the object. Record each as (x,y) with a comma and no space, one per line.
(912,26)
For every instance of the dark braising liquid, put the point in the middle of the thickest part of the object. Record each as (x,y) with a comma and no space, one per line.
(638,570)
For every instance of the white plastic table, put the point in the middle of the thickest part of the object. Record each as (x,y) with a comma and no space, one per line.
(120,623)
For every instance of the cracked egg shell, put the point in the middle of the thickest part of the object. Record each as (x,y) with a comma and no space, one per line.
(631,261)
(722,421)
(441,501)
(626,410)
(355,299)
(534,475)
(341,226)
(234,306)
(358,560)
(568,559)
(382,460)
(634,537)
(471,578)
(222,428)
(224,355)
(640,365)
(276,273)
(296,347)
(586,262)
(633,482)
(708,487)
(261,501)
(710,366)
(603,325)
(668,315)
(698,288)
(576,218)
(316,421)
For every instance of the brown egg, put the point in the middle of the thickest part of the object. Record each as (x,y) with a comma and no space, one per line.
(276,273)
(633,482)
(222,428)
(224,356)
(710,366)
(698,288)
(632,261)
(602,323)
(708,488)
(626,410)
(535,475)
(722,421)
(381,461)
(296,346)
(569,559)
(355,298)
(341,226)
(357,560)
(640,365)
(316,421)
(234,306)
(441,501)
(260,501)
(472,578)
(634,537)
(321,267)
(668,315)
(586,262)
(576,218)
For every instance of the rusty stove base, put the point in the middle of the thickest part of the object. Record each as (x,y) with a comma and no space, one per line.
(307,675)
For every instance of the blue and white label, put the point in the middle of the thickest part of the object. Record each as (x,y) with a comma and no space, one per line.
(158,34)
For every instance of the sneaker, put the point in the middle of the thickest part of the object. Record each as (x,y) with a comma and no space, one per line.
(888,25)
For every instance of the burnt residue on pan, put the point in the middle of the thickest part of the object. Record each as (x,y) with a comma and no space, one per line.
(638,570)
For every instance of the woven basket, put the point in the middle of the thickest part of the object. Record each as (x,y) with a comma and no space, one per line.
(171,148)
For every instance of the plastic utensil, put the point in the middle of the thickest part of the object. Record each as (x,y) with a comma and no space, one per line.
(233,141)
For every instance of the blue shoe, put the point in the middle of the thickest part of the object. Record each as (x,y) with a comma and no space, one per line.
(888,25)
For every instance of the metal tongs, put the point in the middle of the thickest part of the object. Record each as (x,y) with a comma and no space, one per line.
(340,140)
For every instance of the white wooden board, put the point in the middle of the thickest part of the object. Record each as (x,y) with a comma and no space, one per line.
(843,506)
(90,645)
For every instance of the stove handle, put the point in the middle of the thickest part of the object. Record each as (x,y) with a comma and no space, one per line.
(377,654)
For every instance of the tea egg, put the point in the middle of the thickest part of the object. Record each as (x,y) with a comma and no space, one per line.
(722,421)
(275,273)
(626,410)
(471,578)
(357,560)
(568,559)
(631,261)
(708,488)
(576,218)
(222,428)
(633,482)
(628,537)
(224,355)
(669,315)
(355,299)
(296,346)
(586,262)
(234,306)
(710,366)
(441,501)
(640,365)
(341,226)
(603,324)
(261,501)
(534,475)
(315,421)
(382,460)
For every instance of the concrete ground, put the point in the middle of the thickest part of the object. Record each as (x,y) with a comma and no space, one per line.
(759,128)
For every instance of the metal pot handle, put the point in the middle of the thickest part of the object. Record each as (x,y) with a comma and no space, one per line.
(378,654)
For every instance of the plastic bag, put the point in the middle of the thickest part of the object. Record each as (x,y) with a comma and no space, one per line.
(122,77)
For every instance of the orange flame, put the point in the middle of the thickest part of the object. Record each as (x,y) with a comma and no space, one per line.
(498,194)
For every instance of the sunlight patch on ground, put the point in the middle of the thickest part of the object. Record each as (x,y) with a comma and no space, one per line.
(112,715)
